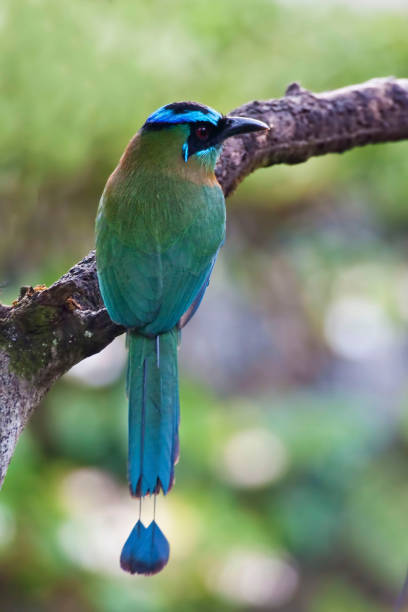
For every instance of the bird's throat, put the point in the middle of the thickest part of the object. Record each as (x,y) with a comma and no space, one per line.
(161,152)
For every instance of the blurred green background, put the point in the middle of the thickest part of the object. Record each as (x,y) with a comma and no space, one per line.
(292,489)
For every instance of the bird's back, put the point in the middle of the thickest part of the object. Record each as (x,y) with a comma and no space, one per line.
(158,233)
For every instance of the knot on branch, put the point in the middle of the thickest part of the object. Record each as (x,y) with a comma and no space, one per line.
(295,89)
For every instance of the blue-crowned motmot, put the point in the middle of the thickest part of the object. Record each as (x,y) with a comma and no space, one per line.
(159,227)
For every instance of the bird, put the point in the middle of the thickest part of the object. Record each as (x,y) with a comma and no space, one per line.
(159,227)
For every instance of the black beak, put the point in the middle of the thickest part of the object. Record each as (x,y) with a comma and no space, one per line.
(241,125)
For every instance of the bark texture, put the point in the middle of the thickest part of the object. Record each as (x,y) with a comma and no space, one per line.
(47,330)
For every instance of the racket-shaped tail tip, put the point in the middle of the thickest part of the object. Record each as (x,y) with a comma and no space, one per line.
(146,551)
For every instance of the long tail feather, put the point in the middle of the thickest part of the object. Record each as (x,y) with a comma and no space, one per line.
(153,412)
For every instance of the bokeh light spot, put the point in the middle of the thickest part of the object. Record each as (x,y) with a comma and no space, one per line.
(254,458)
(256,579)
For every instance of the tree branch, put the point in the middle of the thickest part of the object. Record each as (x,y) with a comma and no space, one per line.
(46,331)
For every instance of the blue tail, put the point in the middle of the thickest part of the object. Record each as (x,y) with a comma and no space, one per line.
(152,386)
(146,551)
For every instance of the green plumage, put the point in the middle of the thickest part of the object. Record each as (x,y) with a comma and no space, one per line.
(159,226)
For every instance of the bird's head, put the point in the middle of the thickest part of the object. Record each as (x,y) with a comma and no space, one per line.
(194,132)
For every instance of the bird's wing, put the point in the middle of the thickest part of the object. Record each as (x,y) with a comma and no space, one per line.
(190,312)
(129,279)
(150,277)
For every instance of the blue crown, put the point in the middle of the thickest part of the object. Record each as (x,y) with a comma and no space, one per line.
(183,112)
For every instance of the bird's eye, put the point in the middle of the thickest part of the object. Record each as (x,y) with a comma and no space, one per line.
(202,132)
